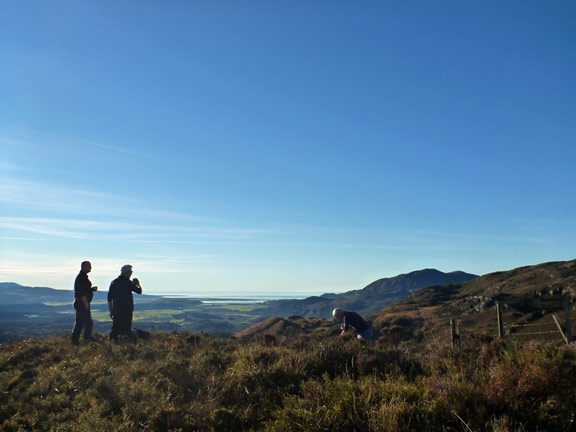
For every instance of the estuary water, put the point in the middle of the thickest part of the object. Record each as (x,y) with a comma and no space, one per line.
(245,299)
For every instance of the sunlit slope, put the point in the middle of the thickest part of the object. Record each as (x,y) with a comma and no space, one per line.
(528,295)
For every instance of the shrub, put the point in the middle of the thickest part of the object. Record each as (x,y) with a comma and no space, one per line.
(196,383)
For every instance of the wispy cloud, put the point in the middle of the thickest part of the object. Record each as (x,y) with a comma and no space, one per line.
(196,233)
(89,229)
(22,266)
(109,148)
(53,199)
(21,139)
(46,197)
(48,227)
(59,270)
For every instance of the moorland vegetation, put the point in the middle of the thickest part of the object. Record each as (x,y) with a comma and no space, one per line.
(190,382)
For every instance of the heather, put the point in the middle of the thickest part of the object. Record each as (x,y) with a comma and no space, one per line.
(190,382)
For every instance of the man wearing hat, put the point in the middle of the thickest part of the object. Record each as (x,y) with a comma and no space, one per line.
(121,302)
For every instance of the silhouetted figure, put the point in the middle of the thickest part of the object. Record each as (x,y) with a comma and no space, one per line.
(355,322)
(121,302)
(83,293)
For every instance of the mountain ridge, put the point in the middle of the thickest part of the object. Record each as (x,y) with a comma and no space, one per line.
(367,300)
(14,293)
(529,295)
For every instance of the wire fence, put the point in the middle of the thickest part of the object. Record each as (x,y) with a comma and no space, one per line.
(517,329)
(552,330)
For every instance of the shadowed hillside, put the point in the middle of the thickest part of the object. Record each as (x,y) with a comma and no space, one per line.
(370,299)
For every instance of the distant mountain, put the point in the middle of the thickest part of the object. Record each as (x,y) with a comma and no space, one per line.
(39,311)
(528,296)
(13,293)
(370,299)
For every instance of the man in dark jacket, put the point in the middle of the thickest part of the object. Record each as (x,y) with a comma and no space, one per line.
(355,322)
(121,302)
(83,293)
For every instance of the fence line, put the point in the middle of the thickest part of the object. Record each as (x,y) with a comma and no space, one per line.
(512,330)
(480,329)
(532,324)
(533,333)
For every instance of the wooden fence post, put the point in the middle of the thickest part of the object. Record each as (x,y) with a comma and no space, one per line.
(568,322)
(560,328)
(500,322)
(455,332)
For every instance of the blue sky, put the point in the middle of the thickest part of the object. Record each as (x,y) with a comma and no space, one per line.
(267,147)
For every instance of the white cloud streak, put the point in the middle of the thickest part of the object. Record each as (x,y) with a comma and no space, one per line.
(44,197)
(109,148)
(88,229)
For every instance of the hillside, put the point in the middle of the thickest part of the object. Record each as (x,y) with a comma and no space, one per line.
(186,382)
(370,299)
(41,312)
(289,327)
(528,295)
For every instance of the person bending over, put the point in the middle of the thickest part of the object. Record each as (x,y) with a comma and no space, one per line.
(353,321)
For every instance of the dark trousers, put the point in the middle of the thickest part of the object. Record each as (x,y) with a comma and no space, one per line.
(121,325)
(83,321)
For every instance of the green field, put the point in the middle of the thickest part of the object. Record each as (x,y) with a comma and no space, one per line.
(57,318)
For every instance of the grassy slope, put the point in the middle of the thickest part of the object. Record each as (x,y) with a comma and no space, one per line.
(529,296)
(189,382)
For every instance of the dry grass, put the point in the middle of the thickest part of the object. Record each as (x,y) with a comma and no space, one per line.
(197,383)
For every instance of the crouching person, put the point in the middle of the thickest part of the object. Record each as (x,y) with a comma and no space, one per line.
(353,321)
(121,302)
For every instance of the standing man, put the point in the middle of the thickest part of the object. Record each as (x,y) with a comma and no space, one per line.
(121,302)
(355,322)
(83,293)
